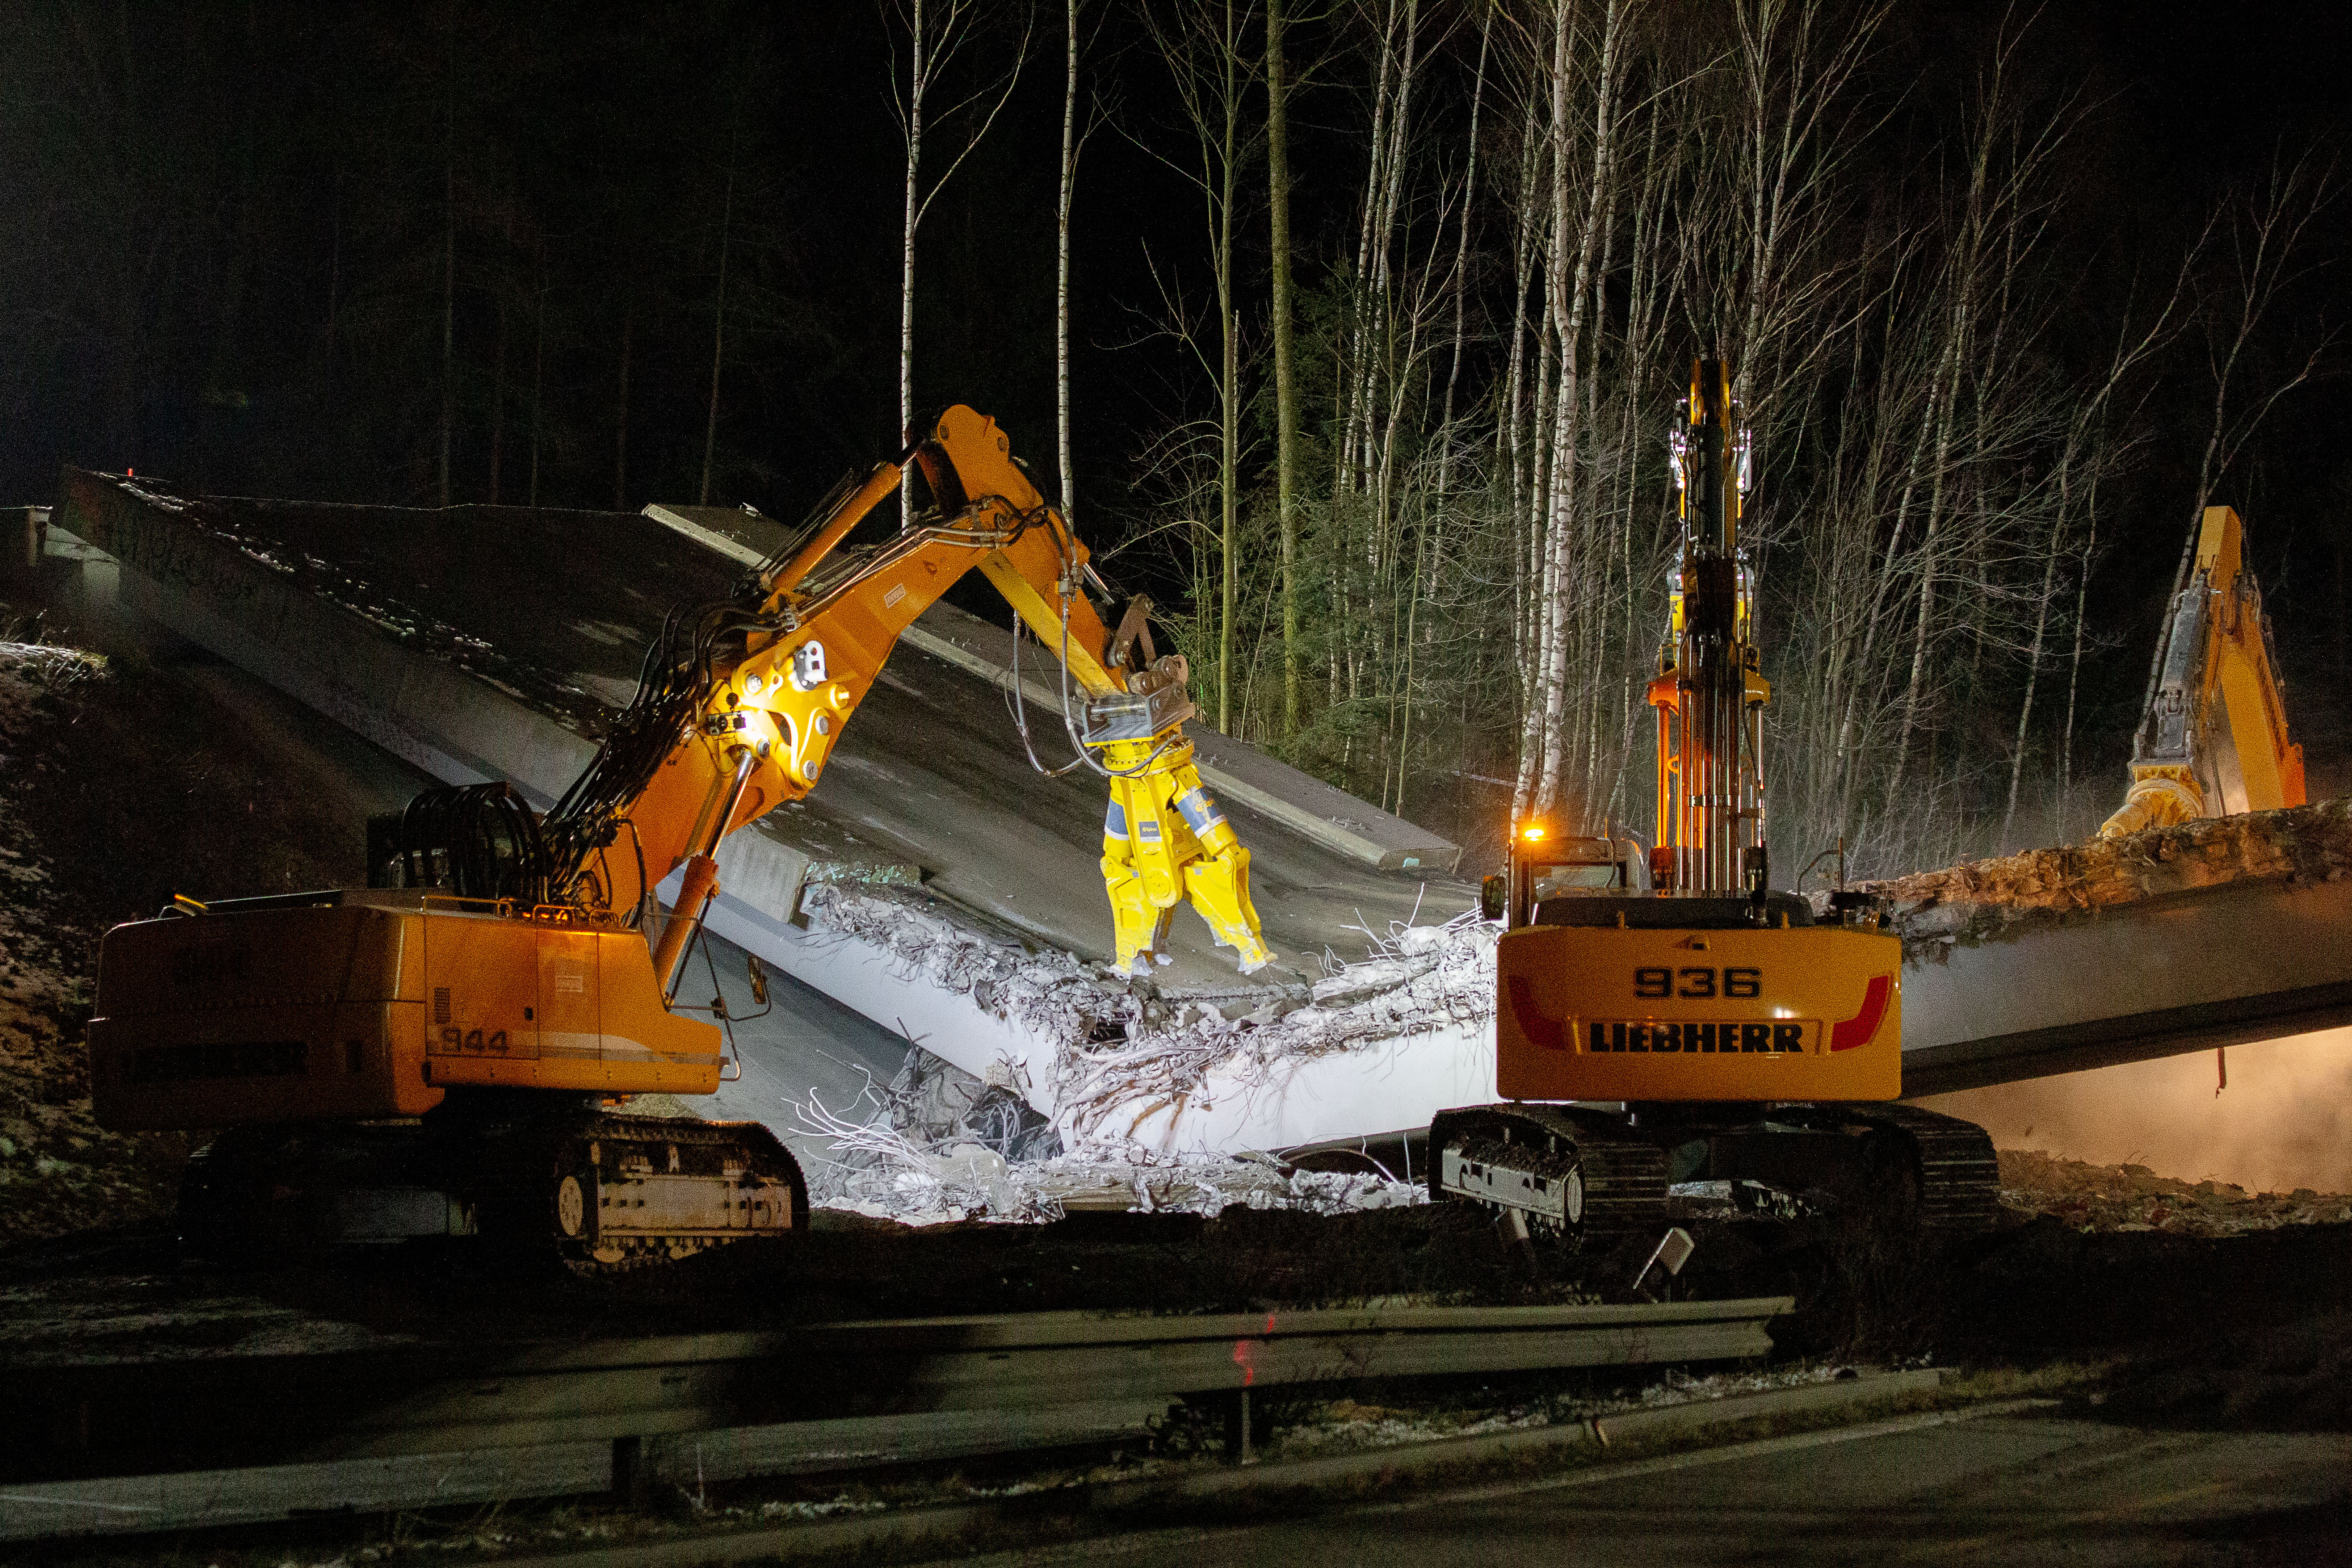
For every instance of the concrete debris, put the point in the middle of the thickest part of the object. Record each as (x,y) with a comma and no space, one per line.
(1112,1062)
(2089,1197)
(1990,900)
(939,1145)
(47,666)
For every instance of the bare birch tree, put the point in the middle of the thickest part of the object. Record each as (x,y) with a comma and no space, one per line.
(1286,375)
(1203,49)
(936,32)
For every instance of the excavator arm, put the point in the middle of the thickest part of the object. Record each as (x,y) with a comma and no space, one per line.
(762,724)
(2213,741)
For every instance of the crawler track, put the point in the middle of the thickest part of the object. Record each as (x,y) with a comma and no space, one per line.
(599,1192)
(1621,1173)
(1960,1180)
(1908,1166)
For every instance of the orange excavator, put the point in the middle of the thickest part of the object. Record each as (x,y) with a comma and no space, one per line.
(2213,741)
(1668,1020)
(448,1053)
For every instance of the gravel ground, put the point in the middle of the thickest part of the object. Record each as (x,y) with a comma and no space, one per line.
(2134,1197)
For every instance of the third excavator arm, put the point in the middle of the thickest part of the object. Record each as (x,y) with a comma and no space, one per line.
(824,621)
(2213,741)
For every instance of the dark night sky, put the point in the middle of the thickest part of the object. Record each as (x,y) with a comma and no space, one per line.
(599,130)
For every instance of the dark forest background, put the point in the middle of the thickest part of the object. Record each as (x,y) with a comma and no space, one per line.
(468,251)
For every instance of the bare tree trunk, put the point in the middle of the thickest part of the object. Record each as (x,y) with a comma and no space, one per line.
(934,43)
(1229,320)
(1354,352)
(1285,388)
(1567,438)
(919,83)
(334,273)
(538,370)
(621,412)
(1923,631)
(2074,668)
(498,404)
(1062,266)
(449,265)
(1462,263)
(717,338)
(2033,672)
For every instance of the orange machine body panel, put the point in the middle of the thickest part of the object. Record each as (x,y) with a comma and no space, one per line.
(1602,1013)
(371,1008)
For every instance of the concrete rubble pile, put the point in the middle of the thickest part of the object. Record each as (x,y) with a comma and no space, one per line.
(2132,1198)
(942,1146)
(1130,1074)
(1985,899)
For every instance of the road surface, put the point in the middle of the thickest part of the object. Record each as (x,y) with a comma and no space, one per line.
(2020,1488)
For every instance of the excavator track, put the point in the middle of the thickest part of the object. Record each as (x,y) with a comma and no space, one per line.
(1901,1166)
(1959,1179)
(622,1193)
(601,1193)
(1572,1171)
(1567,1172)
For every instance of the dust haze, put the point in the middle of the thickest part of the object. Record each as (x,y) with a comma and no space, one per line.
(2285,1121)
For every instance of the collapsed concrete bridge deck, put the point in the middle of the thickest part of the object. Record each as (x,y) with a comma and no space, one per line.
(938,886)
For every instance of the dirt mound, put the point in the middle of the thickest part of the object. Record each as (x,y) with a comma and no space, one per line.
(2133,1197)
(185,803)
(59,1171)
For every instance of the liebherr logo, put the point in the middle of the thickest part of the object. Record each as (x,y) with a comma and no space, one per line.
(1697,1037)
(1739,1038)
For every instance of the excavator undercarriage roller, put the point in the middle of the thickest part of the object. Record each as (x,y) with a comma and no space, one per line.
(599,1192)
(1570,1172)
(1565,1171)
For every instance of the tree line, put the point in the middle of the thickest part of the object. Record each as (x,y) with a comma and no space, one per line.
(1432,552)
(1357,325)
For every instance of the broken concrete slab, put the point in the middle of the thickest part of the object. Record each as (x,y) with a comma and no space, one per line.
(2215,931)
(742,534)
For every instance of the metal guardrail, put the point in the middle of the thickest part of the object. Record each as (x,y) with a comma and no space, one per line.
(427,1424)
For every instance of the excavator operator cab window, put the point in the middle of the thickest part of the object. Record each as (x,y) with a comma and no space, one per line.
(1552,880)
(1555,870)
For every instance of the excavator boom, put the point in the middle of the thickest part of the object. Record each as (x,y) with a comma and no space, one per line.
(2213,741)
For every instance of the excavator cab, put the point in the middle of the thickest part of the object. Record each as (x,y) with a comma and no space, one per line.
(1543,867)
